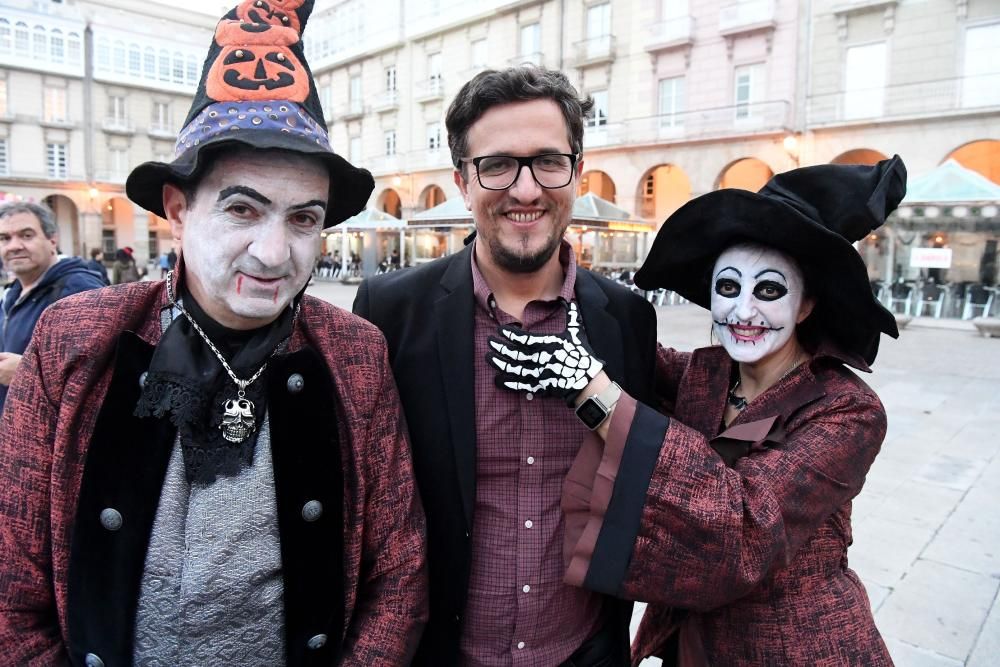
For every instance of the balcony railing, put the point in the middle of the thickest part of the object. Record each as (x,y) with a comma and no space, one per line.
(671,33)
(746,16)
(699,124)
(595,51)
(430,89)
(117,125)
(162,131)
(351,110)
(387,100)
(439,158)
(534,58)
(381,165)
(911,100)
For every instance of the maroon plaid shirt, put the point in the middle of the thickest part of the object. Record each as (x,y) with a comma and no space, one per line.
(519,611)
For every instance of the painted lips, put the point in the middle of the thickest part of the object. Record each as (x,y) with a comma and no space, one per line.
(747,334)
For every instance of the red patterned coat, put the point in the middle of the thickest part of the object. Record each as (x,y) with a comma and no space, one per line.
(49,464)
(754,551)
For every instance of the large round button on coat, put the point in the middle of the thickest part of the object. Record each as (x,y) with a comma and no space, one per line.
(295,383)
(142,380)
(93,660)
(312,510)
(111,518)
(316,642)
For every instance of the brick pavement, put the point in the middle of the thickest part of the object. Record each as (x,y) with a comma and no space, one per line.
(926,525)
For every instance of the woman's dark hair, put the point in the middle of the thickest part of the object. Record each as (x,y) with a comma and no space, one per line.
(514,84)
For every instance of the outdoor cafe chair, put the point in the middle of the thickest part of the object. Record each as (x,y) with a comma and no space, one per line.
(900,293)
(978,296)
(930,295)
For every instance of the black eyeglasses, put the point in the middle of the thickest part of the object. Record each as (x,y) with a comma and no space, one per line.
(499,172)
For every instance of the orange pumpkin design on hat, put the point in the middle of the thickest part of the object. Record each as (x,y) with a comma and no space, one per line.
(274,12)
(256,61)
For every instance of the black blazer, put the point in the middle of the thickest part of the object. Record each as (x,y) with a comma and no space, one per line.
(426,314)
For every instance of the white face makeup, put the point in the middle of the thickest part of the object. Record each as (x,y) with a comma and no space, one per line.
(757,300)
(252,235)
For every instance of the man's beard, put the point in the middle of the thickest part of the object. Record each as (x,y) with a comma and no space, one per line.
(513,262)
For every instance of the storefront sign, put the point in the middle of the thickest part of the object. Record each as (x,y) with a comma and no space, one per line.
(930,258)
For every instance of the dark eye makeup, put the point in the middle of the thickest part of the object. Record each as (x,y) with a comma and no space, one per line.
(727,287)
(768,290)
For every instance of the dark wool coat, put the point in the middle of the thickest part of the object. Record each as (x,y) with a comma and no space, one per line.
(756,552)
(355,580)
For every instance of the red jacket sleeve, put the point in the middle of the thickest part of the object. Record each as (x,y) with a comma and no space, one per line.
(29,627)
(685,530)
(392,598)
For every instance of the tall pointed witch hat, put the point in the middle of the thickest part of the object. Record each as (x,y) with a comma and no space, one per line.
(256,90)
(813,214)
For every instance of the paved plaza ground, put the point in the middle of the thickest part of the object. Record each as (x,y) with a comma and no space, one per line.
(927,524)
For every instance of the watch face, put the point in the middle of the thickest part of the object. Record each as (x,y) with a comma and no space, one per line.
(591,413)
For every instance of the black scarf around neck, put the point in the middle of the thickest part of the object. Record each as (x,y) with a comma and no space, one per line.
(187,383)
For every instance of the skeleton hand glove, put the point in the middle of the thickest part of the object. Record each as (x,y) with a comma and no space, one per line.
(547,364)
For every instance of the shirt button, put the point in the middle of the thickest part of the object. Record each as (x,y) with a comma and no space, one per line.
(526,588)
(520,645)
(531,460)
(93,660)
(528,523)
(316,642)
(530,397)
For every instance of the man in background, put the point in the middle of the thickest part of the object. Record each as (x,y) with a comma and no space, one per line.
(28,237)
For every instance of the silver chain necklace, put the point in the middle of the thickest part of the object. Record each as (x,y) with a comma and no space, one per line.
(238,420)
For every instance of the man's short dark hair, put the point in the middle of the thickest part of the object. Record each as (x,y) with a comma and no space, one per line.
(514,84)
(46,218)
(95,253)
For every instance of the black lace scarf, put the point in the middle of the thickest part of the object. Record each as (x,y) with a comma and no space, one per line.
(186,383)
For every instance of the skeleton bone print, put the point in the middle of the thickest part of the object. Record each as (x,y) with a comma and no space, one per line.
(548,365)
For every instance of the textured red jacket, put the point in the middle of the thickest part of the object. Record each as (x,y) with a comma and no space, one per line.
(756,553)
(45,434)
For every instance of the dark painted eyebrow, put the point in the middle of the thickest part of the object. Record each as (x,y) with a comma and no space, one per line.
(308,204)
(730,268)
(243,190)
(772,271)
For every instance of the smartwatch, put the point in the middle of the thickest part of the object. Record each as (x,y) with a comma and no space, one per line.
(593,411)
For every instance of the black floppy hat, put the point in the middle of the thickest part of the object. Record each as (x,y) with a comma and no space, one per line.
(812,214)
(256,91)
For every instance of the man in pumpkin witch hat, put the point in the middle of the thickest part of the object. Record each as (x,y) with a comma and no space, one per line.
(213,469)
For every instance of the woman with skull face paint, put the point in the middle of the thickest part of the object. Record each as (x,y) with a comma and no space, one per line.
(731,516)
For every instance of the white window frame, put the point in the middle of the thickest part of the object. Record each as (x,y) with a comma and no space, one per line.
(161,117)
(980,76)
(4,158)
(753,74)
(600,118)
(479,52)
(354,149)
(118,166)
(55,109)
(391,79)
(4,109)
(389,140)
(864,83)
(530,39)
(57,160)
(354,98)
(670,107)
(117,112)
(434,136)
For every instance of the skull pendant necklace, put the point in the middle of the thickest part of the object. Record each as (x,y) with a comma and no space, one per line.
(238,419)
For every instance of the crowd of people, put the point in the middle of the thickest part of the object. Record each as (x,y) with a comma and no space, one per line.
(488,462)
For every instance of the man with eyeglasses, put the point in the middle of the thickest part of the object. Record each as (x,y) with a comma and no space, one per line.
(491,464)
